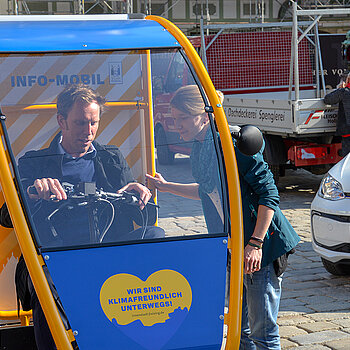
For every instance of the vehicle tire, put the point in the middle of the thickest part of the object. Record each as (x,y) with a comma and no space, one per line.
(336,269)
(164,155)
(275,170)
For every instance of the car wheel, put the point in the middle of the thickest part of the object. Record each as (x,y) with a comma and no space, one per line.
(164,155)
(337,269)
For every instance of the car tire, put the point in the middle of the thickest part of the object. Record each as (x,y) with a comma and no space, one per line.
(337,269)
(164,155)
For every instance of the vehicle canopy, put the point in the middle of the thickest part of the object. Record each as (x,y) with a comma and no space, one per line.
(118,285)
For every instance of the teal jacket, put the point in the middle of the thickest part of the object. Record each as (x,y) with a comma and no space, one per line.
(258,188)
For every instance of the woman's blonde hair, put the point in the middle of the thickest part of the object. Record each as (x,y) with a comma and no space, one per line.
(189,100)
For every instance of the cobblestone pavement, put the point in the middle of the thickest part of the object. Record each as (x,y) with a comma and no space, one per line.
(315,308)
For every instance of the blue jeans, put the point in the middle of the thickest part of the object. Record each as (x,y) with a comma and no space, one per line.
(261,299)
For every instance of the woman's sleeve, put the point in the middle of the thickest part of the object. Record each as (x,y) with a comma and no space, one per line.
(257,174)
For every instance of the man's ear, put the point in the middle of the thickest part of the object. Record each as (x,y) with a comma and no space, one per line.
(61,122)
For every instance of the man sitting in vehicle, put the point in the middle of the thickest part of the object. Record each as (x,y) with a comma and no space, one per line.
(74,157)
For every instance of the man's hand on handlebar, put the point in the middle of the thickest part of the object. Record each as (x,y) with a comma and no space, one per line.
(46,188)
(144,193)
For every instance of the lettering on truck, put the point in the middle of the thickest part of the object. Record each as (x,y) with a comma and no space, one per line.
(59,80)
(269,116)
(240,113)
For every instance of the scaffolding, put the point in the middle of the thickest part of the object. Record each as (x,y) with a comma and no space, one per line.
(50,7)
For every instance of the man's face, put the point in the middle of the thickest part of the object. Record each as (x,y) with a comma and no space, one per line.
(79,128)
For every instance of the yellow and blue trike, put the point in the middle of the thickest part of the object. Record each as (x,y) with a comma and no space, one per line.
(146,294)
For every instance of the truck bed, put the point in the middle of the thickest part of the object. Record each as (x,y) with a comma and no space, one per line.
(276,114)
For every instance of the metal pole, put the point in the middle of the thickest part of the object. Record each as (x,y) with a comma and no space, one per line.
(203,48)
(295,44)
(317,62)
(291,69)
(320,60)
(208,17)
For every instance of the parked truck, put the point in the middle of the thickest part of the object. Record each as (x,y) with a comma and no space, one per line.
(273,76)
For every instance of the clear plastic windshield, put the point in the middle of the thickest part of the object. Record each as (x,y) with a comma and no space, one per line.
(142,166)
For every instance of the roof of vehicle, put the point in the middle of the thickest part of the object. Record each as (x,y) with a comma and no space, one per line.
(80,33)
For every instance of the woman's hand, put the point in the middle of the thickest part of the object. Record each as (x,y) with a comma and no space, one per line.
(252,259)
(157,181)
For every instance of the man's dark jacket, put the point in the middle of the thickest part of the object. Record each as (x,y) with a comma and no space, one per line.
(341,96)
(111,173)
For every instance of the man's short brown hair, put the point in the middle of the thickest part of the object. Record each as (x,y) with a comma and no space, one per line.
(77,92)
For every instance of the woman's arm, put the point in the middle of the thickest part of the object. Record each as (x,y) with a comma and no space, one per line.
(183,190)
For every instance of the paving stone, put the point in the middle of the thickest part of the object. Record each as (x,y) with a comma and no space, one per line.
(315,299)
(334,306)
(286,313)
(287,344)
(305,277)
(290,331)
(337,282)
(329,316)
(318,326)
(319,337)
(318,271)
(345,322)
(291,303)
(300,309)
(306,285)
(291,294)
(343,344)
(289,320)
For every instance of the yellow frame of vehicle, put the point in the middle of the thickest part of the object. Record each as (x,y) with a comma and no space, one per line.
(233,318)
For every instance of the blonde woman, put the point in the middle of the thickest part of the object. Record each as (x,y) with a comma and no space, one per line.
(268,236)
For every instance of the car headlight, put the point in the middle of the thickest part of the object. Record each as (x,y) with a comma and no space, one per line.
(331,189)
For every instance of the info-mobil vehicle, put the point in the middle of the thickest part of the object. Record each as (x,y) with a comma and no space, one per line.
(273,76)
(155,294)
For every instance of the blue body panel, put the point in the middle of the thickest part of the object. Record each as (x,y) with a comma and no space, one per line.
(81,277)
(51,35)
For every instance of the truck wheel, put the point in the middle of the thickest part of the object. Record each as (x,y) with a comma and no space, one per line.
(275,170)
(164,155)
(336,269)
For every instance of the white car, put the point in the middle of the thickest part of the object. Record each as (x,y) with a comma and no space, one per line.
(330,219)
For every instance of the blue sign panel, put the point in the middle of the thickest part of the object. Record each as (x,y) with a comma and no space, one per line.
(153,296)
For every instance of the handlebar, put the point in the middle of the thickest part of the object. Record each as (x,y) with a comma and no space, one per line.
(86,190)
(86,194)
